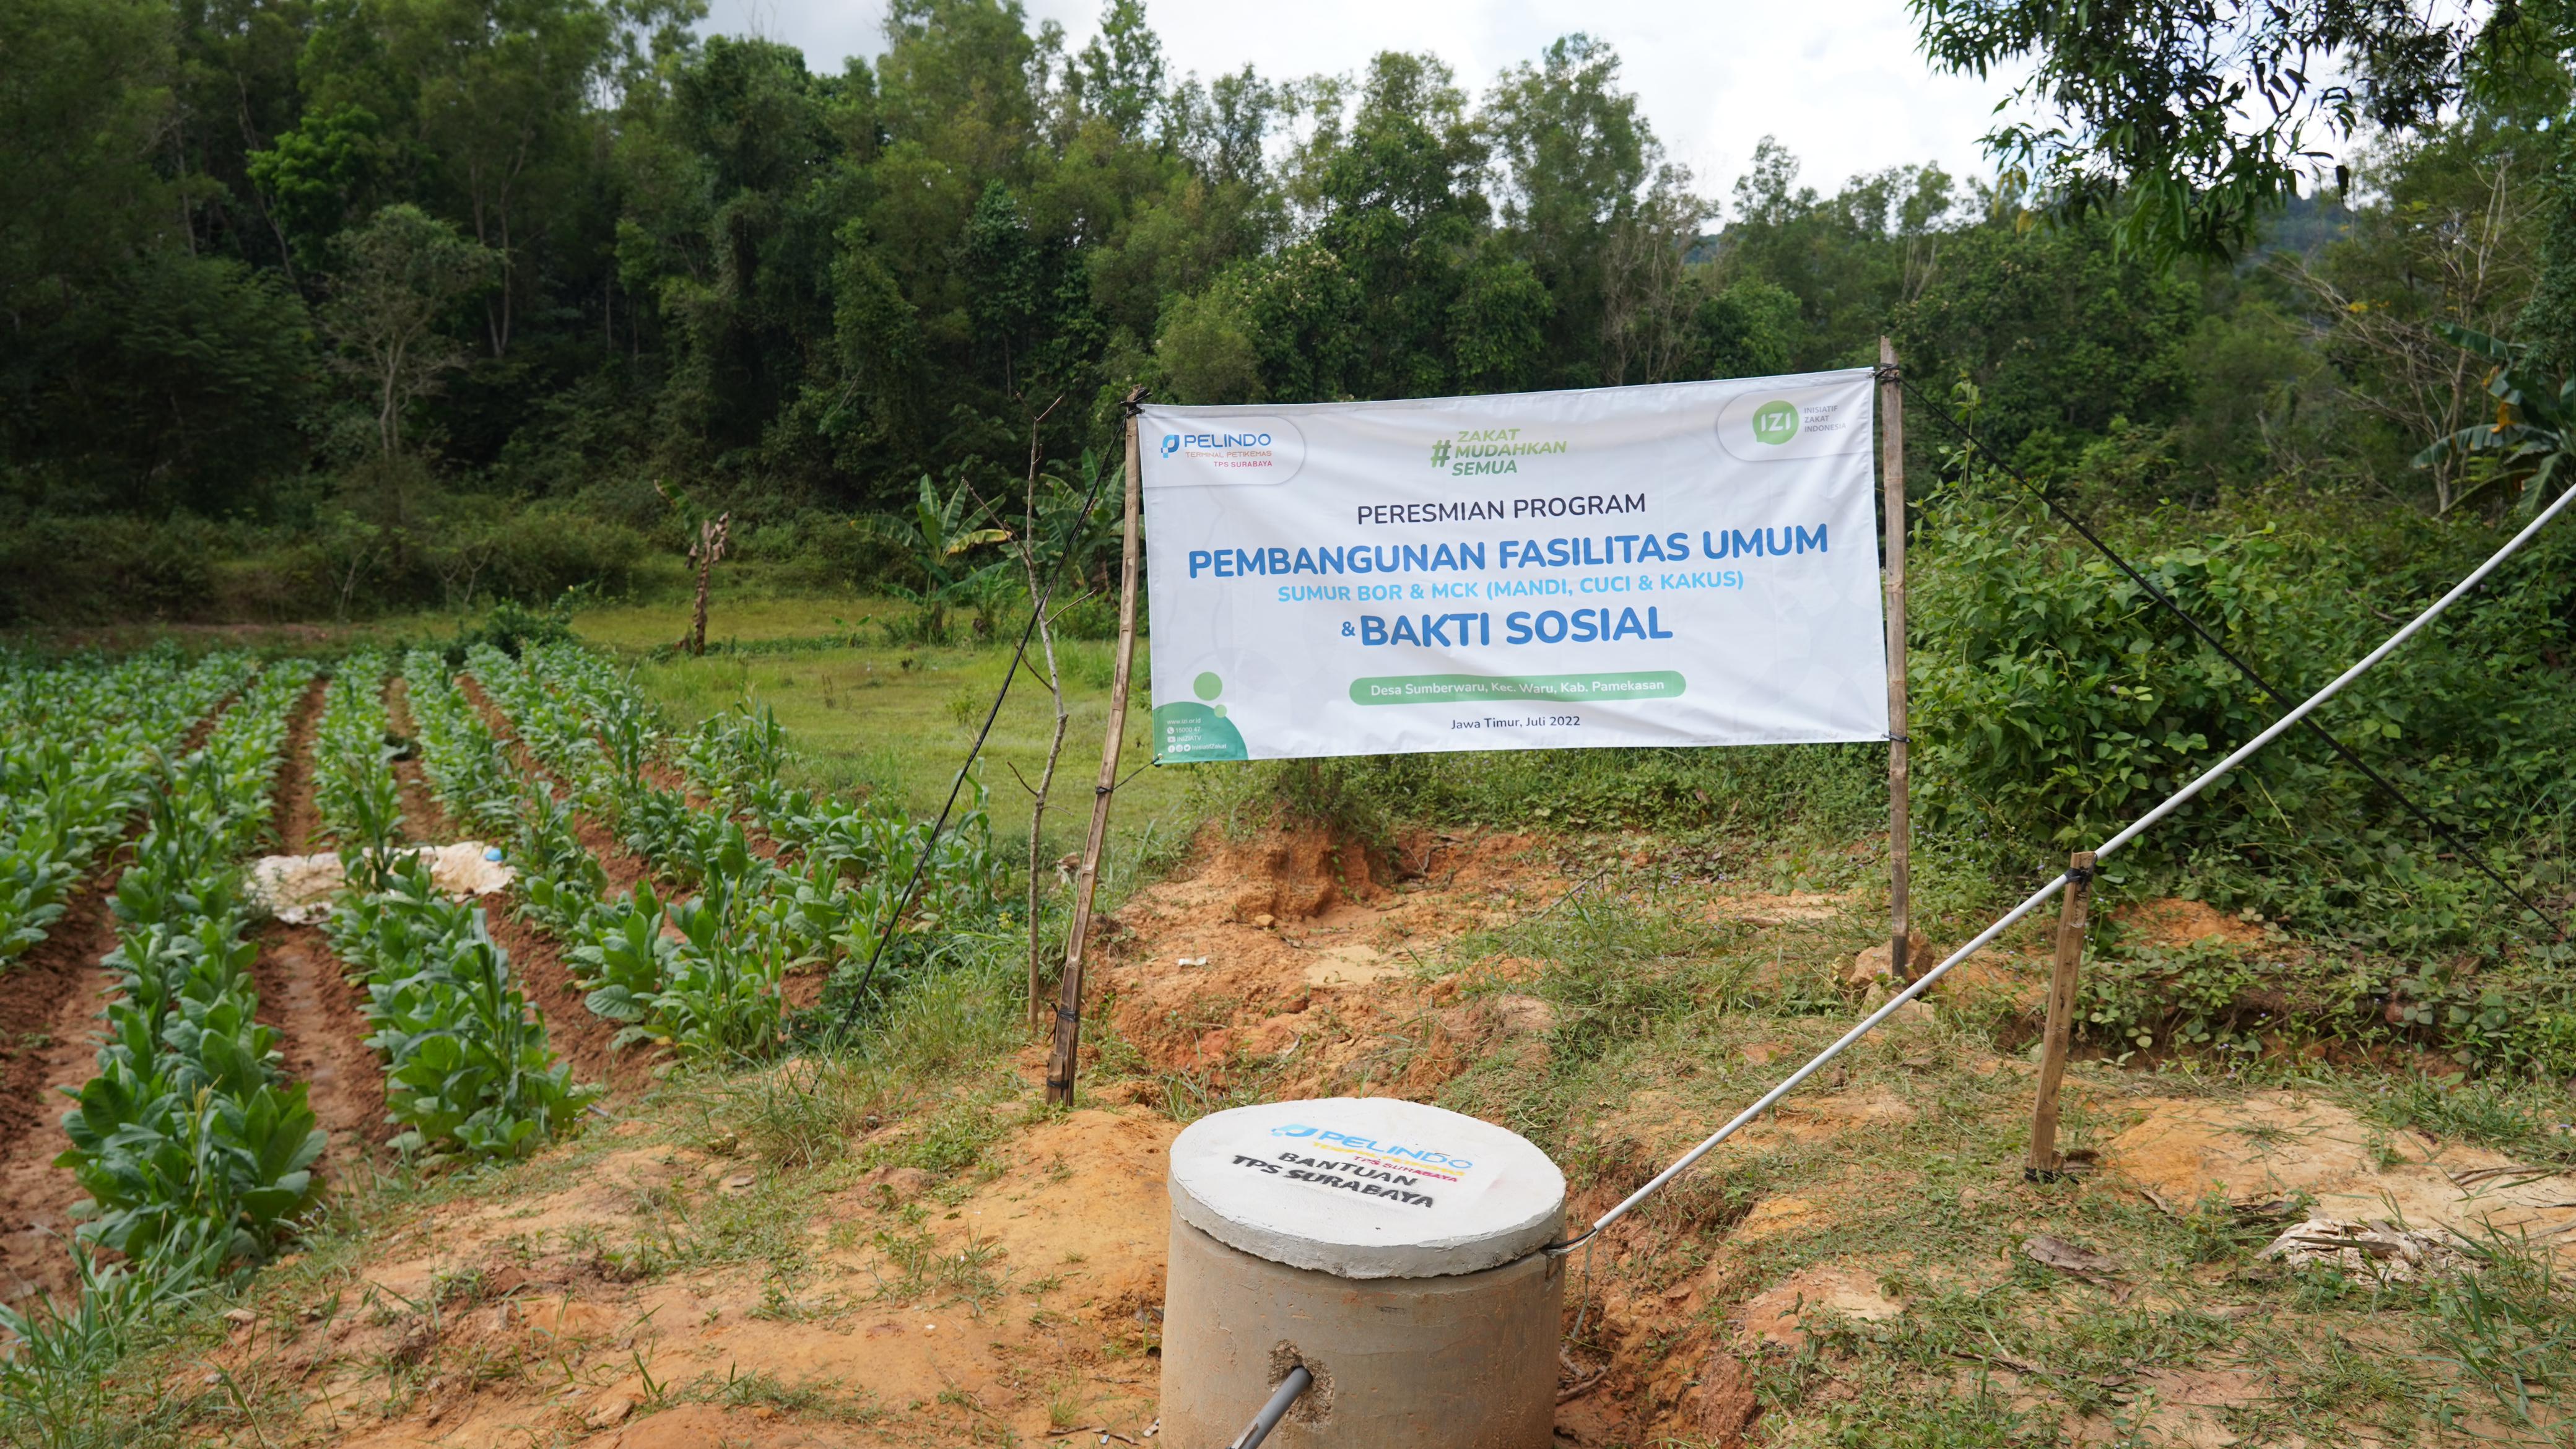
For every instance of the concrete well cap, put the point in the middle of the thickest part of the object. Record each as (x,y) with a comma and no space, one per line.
(1366,1187)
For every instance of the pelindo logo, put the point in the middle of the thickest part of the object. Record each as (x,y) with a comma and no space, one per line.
(1292,1130)
(1775,422)
(1198,453)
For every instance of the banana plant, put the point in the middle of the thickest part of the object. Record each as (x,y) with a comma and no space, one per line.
(936,534)
(2529,447)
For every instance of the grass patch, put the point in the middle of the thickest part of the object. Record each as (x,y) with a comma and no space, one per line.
(2533,1121)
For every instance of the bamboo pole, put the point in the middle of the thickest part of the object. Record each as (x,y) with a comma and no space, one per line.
(1062,1057)
(2071,922)
(1900,830)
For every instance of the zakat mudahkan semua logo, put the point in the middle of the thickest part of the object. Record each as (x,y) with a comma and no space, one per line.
(1473,451)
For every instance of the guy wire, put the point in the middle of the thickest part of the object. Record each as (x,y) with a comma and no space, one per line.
(920,863)
(2467,852)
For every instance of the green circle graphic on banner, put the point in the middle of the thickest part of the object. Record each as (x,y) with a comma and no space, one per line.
(1775,422)
(1207,686)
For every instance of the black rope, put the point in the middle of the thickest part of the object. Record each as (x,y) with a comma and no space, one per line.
(2467,852)
(858,998)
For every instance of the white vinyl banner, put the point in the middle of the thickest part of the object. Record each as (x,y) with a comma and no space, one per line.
(1685,564)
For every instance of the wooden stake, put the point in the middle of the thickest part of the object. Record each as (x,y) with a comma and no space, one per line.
(1900,829)
(1068,1012)
(2071,922)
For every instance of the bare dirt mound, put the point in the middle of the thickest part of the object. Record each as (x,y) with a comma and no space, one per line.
(2174,921)
(2277,1147)
(1008,1307)
(1299,955)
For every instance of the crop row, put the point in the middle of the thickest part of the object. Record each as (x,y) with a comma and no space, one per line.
(858,852)
(844,864)
(468,1069)
(80,745)
(193,1150)
(699,972)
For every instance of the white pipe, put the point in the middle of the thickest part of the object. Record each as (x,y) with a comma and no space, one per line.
(2171,804)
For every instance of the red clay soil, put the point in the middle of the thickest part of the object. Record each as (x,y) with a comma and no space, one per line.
(425,821)
(49,1040)
(48,1026)
(307,999)
(578,1036)
(305,994)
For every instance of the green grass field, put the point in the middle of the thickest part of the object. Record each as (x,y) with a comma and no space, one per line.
(868,714)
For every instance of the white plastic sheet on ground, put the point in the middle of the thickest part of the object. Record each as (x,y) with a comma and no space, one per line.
(298,889)
(1684,564)
(2377,1250)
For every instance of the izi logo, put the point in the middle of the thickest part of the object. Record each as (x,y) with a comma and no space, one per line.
(1440,454)
(1775,422)
(1171,444)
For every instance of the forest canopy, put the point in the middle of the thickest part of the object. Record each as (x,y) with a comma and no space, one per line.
(318,306)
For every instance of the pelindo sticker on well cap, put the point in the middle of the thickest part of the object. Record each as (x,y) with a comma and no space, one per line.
(1366,1187)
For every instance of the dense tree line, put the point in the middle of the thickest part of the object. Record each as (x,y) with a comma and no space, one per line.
(317,304)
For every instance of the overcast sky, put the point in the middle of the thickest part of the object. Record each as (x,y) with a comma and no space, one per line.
(1838,81)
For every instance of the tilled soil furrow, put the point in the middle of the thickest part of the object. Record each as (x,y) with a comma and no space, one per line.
(425,821)
(579,1036)
(48,1031)
(305,994)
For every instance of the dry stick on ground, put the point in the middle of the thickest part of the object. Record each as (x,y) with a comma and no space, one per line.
(1055,690)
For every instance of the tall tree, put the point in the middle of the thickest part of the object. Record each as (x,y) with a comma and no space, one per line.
(1589,203)
(399,279)
(2200,116)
